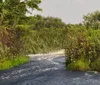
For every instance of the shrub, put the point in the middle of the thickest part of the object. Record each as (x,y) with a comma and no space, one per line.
(80,64)
(11,46)
(82,43)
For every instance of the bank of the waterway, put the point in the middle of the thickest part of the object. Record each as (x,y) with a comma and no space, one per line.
(47,69)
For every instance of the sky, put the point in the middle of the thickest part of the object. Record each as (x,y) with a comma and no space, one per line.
(70,11)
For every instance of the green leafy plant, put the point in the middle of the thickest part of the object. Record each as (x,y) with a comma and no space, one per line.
(82,43)
(79,64)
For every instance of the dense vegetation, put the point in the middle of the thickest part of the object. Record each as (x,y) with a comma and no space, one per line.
(12,31)
(21,35)
(83,44)
(46,35)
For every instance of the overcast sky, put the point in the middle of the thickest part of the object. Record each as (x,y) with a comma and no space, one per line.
(70,11)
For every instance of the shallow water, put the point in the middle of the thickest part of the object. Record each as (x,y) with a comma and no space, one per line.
(47,71)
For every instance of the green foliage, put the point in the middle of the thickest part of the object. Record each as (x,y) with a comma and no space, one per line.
(15,27)
(24,39)
(5,65)
(48,22)
(41,34)
(80,64)
(95,65)
(12,11)
(19,60)
(4,51)
(45,40)
(82,43)
(12,62)
(10,48)
(92,20)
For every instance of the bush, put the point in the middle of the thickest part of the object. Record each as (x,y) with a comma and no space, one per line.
(80,64)
(11,46)
(82,43)
(4,51)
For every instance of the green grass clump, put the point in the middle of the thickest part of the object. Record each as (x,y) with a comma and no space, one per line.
(5,65)
(19,60)
(15,61)
(82,65)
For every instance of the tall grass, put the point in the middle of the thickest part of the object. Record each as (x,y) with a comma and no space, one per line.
(45,40)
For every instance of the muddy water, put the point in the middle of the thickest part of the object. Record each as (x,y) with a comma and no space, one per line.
(47,70)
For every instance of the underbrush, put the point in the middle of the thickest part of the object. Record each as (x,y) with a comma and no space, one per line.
(29,35)
(45,40)
(80,64)
(82,49)
(95,66)
(14,61)
(21,41)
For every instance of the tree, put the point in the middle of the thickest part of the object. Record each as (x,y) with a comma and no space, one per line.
(11,11)
(92,20)
(48,22)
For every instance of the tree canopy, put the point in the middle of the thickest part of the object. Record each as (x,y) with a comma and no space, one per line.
(92,19)
(11,11)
